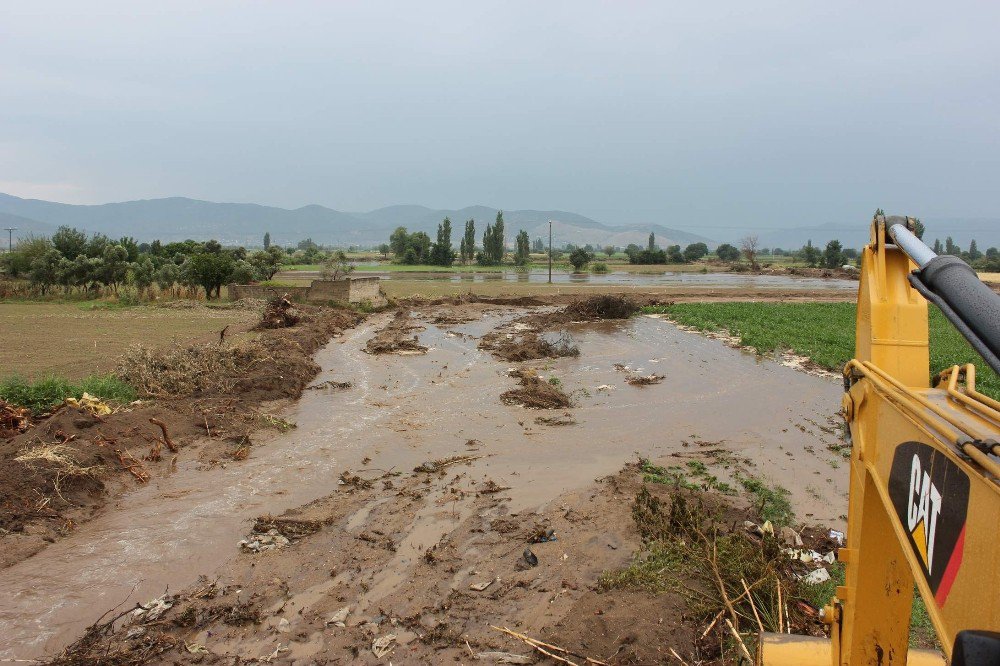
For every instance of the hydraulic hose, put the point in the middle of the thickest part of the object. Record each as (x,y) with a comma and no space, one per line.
(951,284)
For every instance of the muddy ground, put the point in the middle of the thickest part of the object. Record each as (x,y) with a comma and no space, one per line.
(62,471)
(405,493)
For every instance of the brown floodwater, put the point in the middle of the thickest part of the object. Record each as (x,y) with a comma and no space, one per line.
(406,410)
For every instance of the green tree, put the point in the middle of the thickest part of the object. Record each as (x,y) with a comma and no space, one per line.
(674,255)
(810,254)
(609,250)
(695,251)
(974,252)
(494,243)
(115,266)
(937,246)
(267,240)
(522,252)
(579,258)
(727,252)
(143,274)
(918,228)
(441,252)
(398,241)
(833,255)
(467,248)
(950,247)
(651,244)
(45,270)
(70,242)
(242,273)
(167,276)
(266,262)
(383,249)
(209,270)
(538,245)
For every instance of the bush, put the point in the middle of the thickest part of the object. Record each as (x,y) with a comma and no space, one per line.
(599,267)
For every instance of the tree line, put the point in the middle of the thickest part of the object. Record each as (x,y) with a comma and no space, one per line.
(77,262)
(417,248)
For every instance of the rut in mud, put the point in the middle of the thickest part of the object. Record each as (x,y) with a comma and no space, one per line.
(403,412)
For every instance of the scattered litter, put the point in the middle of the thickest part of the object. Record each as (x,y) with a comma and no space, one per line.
(504,658)
(479,587)
(382,645)
(90,403)
(818,576)
(530,557)
(606,388)
(339,619)
(195,648)
(284,626)
(135,632)
(259,543)
(564,420)
(152,610)
(790,537)
(837,536)
(542,535)
(759,530)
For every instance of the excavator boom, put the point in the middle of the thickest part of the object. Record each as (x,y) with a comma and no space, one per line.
(924,510)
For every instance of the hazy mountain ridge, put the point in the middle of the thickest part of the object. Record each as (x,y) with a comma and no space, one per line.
(178,218)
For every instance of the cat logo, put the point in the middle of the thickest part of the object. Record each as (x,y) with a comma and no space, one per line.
(923,512)
(931,496)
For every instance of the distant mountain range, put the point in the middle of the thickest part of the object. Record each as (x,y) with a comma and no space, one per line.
(177,218)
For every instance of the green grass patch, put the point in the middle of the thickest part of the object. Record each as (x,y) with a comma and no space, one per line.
(823,332)
(770,502)
(43,394)
(694,476)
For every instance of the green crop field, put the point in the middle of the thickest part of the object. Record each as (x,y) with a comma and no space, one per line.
(824,332)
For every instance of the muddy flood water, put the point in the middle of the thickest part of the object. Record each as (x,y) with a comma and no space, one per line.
(405,410)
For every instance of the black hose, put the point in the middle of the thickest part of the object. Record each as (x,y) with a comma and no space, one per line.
(970,305)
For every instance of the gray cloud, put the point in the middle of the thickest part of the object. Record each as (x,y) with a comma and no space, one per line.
(727,114)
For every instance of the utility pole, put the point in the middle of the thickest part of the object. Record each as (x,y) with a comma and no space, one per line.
(550,251)
(10,238)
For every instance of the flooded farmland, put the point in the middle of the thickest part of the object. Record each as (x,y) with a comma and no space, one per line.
(715,404)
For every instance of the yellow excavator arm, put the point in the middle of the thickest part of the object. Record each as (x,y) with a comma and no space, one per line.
(924,496)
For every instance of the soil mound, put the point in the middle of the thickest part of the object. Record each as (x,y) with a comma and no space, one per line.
(607,306)
(527,346)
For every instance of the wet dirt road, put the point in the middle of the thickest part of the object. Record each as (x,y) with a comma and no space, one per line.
(405,410)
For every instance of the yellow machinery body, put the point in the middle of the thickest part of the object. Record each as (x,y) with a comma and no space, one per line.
(924,505)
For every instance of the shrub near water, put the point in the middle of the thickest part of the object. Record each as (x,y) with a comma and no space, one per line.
(43,394)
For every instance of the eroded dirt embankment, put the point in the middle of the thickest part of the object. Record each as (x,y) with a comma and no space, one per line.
(430,488)
(201,402)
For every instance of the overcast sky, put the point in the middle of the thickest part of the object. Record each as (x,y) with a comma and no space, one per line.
(694,115)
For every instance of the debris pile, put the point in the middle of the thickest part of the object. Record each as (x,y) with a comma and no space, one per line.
(182,371)
(525,344)
(606,306)
(13,419)
(395,338)
(279,313)
(535,392)
(259,543)
(643,380)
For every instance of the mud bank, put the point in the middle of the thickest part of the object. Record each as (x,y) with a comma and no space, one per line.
(81,459)
(378,544)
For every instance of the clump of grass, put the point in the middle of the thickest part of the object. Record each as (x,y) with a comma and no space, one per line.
(695,477)
(688,549)
(770,503)
(599,267)
(43,394)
